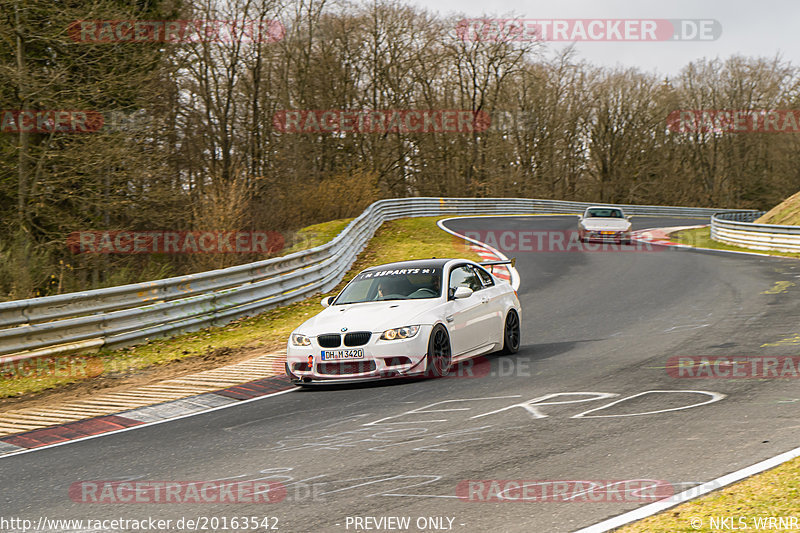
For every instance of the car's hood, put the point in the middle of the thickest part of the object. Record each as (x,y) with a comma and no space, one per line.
(616,224)
(369,316)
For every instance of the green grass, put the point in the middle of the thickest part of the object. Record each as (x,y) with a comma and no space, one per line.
(773,493)
(701,238)
(414,238)
(317,235)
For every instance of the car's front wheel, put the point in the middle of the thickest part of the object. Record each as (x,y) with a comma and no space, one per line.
(511,333)
(439,358)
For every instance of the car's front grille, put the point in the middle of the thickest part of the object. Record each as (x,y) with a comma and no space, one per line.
(349,367)
(330,340)
(357,338)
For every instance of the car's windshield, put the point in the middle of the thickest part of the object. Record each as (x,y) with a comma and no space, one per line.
(604,213)
(392,284)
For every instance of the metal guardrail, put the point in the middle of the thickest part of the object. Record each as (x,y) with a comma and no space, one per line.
(739,229)
(124,315)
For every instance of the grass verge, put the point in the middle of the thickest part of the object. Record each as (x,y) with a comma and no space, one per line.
(747,504)
(701,238)
(413,238)
(317,235)
(785,213)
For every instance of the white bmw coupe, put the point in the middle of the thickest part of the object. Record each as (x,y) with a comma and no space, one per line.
(413,318)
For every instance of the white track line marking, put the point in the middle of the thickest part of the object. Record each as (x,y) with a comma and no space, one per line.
(148,424)
(685,496)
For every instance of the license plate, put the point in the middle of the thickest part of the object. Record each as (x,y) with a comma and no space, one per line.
(608,233)
(335,355)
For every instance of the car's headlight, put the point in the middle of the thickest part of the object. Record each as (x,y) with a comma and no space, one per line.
(400,333)
(300,340)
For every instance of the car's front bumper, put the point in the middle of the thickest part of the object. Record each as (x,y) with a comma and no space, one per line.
(382,359)
(607,235)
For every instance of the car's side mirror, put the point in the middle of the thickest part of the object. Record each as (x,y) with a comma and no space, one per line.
(462,292)
(628,217)
(327,301)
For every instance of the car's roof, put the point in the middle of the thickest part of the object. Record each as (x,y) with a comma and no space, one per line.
(418,263)
(604,207)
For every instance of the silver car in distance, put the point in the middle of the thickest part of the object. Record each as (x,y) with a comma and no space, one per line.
(605,224)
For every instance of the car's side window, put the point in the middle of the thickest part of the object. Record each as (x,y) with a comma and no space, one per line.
(485,277)
(463,276)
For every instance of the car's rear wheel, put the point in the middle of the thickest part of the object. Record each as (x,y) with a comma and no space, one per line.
(439,357)
(511,333)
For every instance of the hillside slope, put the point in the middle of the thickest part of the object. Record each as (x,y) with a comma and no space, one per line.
(786,213)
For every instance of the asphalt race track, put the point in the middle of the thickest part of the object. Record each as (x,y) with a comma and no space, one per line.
(598,329)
